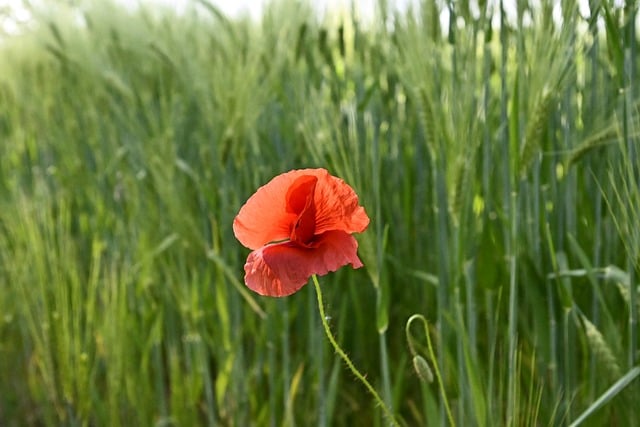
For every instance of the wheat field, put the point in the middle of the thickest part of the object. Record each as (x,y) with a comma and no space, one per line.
(493,144)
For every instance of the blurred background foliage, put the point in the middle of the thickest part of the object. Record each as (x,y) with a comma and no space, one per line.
(494,145)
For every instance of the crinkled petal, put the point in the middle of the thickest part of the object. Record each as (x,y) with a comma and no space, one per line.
(269,214)
(281,269)
(300,193)
(337,206)
(300,201)
(264,218)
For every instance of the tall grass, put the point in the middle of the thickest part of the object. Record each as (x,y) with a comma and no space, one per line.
(494,148)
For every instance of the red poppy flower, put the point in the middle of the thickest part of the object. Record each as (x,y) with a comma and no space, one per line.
(298,224)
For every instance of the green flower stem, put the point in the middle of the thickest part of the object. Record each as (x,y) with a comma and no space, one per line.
(434,360)
(343,355)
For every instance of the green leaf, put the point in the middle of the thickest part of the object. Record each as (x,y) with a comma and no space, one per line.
(606,397)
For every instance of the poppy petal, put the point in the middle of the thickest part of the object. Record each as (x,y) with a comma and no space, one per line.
(300,201)
(337,206)
(264,218)
(281,269)
(299,193)
(269,214)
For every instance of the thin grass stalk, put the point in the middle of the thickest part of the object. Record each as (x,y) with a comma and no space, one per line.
(316,344)
(286,360)
(609,394)
(470,278)
(553,335)
(569,190)
(634,180)
(568,363)
(272,381)
(241,387)
(487,191)
(491,335)
(384,364)
(595,300)
(454,209)
(209,354)
(160,381)
(382,286)
(509,217)
(444,276)
(630,53)
(569,176)
(487,166)
(598,202)
(209,394)
(461,372)
(513,313)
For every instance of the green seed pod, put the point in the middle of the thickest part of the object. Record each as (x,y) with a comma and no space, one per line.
(422,368)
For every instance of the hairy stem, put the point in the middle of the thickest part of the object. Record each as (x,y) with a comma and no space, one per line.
(345,358)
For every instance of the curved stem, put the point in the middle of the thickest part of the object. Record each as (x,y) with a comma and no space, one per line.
(434,360)
(345,358)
